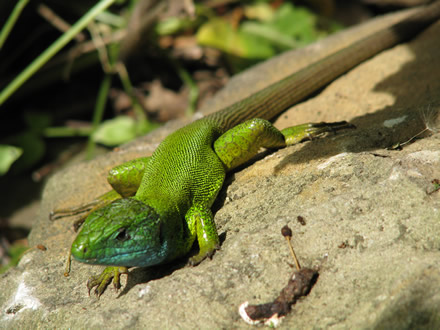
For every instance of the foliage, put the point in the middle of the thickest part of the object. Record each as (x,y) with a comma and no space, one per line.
(266,32)
(15,252)
(260,30)
(118,130)
(8,154)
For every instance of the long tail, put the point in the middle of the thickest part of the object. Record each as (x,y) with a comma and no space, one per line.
(277,97)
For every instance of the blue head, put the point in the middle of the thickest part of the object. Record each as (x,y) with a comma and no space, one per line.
(125,233)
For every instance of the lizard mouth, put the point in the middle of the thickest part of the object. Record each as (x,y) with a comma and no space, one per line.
(138,258)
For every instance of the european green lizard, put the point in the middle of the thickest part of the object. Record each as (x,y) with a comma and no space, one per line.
(161,204)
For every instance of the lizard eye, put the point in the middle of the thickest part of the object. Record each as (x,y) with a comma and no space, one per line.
(122,235)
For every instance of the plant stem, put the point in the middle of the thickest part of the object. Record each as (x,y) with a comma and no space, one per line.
(99,111)
(53,49)
(11,21)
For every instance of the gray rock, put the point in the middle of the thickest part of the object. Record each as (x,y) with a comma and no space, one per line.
(371,227)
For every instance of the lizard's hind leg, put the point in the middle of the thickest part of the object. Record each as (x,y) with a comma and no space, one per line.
(239,144)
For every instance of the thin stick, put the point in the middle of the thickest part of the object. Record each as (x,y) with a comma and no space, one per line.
(289,242)
(57,21)
(68,264)
(287,233)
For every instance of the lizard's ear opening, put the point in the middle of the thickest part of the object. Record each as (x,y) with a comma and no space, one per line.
(161,233)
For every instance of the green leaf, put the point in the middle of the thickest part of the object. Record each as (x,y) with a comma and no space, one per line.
(116,131)
(261,11)
(265,33)
(120,130)
(16,251)
(220,34)
(270,34)
(175,24)
(8,155)
(290,27)
(297,22)
(33,147)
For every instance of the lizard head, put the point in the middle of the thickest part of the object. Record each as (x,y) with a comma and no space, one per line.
(126,232)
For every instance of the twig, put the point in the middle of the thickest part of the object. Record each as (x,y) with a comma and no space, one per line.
(299,285)
(57,21)
(287,233)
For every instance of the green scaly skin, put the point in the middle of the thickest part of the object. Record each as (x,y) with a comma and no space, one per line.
(166,198)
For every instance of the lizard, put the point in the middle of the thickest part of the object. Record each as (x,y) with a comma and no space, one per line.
(160,205)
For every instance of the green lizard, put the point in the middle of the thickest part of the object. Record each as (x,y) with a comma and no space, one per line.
(161,204)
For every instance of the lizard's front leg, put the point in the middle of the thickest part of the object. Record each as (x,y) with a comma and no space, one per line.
(125,233)
(201,224)
(125,180)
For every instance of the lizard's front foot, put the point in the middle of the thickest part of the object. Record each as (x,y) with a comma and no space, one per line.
(205,252)
(102,280)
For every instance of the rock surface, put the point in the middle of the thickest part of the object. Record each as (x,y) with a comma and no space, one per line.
(370,226)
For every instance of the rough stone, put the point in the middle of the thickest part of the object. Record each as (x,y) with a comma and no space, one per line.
(370,226)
